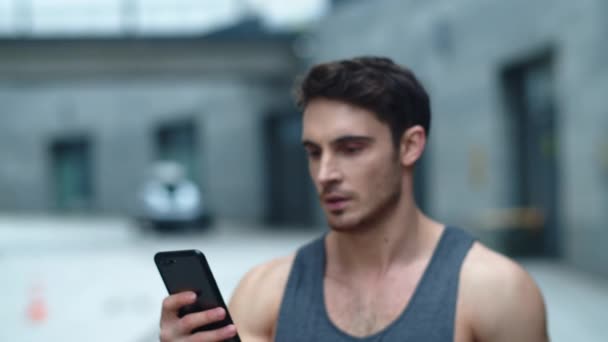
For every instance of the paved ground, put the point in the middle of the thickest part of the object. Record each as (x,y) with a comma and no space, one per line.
(95,280)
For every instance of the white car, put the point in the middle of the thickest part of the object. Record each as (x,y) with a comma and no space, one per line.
(170,201)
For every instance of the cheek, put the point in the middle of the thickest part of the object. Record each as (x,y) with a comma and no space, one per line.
(381,176)
(379,166)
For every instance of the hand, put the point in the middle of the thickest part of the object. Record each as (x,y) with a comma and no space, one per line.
(174,329)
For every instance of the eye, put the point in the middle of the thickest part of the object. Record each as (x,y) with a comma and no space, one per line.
(313,153)
(352,149)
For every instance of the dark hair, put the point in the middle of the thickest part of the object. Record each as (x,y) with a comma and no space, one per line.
(377,84)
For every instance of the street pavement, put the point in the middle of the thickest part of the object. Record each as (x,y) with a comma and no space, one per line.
(83,279)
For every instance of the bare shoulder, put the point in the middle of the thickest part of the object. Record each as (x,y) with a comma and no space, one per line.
(255,303)
(500,299)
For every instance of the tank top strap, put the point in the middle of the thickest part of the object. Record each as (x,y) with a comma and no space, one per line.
(433,308)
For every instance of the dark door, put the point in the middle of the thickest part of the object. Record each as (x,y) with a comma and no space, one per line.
(72,174)
(289,188)
(532,111)
(177,141)
(421,194)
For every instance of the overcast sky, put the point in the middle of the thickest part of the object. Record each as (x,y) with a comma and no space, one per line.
(92,17)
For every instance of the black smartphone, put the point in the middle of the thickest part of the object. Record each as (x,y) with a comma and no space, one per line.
(188,270)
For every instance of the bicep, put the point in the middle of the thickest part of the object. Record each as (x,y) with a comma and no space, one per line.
(517,313)
(524,316)
(255,303)
(253,323)
(501,300)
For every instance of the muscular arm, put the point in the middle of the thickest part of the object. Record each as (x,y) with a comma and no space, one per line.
(504,303)
(255,303)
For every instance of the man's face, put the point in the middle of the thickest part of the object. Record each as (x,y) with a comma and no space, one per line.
(352,161)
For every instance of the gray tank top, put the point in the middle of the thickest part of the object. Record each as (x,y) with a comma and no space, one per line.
(428,317)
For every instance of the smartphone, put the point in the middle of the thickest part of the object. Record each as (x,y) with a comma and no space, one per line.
(188,270)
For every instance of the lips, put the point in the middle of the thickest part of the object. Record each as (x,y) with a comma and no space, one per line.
(335,202)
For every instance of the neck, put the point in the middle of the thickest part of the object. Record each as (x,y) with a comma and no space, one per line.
(401,237)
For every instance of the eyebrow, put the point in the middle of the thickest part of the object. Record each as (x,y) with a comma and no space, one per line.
(308,143)
(352,138)
(341,140)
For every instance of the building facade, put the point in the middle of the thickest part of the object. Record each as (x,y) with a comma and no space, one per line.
(517,147)
(83,120)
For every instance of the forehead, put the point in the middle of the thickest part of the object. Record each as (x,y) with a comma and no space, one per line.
(325,119)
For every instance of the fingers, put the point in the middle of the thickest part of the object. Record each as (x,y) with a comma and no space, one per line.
(173,303)
(195,320)
(175,329)
(214,335)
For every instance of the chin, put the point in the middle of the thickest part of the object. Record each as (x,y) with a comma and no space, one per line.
(343,222)
(356,221)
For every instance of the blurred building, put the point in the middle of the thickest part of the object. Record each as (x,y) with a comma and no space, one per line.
(518,89)
(518,148)
(84,119)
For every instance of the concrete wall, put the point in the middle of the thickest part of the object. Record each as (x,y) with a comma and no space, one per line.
(458,49)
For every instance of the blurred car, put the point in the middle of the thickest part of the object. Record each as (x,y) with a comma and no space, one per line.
(170,201)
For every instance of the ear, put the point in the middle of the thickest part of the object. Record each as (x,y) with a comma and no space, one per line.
(412,145)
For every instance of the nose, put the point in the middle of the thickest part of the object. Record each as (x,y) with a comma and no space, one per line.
(328,172)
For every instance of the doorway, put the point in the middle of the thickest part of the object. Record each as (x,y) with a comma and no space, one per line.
(531,108)
(72,174)
(289,188)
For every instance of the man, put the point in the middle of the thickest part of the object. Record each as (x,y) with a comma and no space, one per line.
(385,271)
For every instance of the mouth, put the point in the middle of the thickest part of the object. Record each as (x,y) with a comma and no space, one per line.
(336,203)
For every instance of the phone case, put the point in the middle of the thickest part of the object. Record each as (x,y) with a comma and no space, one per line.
(188,270)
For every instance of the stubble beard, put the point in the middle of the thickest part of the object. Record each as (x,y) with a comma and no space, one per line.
(367,218)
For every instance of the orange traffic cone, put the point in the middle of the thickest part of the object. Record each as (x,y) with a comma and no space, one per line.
(37,311)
